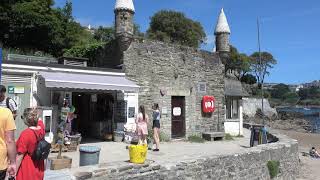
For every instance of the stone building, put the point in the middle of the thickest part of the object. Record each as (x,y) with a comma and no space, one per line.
(174,76)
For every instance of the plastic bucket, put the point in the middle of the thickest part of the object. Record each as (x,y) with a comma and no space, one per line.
(118,136)
(138,153)
(89,155)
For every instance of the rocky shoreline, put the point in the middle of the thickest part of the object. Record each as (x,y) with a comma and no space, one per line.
(284,120)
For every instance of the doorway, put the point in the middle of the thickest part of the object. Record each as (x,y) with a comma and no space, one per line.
(81,124)
(178,127)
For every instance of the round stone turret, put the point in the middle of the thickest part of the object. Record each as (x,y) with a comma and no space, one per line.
(124,11)
(222,33)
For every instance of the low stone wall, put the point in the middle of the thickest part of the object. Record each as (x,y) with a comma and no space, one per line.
(251,105)
(247,165)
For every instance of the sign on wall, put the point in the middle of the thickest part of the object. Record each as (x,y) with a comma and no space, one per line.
(15,90)
(121,111)
(202,87)
(131,112)
(176,111)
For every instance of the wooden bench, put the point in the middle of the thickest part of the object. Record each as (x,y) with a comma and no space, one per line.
(213,136)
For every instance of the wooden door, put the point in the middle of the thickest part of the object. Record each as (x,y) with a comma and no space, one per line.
(178,128)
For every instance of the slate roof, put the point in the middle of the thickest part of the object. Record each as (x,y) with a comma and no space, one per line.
(233,87)
(222,24)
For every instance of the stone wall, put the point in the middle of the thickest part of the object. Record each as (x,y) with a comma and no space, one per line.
(109,56)
(247,165)
(251,105)
(176,70)
(222,42)
(124,21)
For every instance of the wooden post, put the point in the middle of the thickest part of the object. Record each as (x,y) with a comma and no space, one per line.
(60,152)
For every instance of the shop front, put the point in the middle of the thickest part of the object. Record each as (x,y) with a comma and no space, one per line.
(102,103)
(103,100)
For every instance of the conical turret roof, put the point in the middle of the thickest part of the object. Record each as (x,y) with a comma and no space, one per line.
(222,24)
(124,4)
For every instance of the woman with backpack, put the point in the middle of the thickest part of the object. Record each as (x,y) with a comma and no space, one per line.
(27,166)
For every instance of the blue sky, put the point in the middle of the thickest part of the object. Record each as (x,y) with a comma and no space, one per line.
(289,28)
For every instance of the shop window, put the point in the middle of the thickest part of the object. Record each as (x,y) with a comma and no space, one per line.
(232,108)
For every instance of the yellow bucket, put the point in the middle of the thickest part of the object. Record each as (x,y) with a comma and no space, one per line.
(138,153)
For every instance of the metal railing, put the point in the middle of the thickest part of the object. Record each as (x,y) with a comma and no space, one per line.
(24,58)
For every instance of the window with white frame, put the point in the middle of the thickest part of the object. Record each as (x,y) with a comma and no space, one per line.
(232,107)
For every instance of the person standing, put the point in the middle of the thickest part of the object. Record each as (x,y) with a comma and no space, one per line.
(7,102)
(142,120)
(26,145)
(69,122)
(7,144)
(156,125)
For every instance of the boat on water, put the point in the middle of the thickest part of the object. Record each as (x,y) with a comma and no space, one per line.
(307,109)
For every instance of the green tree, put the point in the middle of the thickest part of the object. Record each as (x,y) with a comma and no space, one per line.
(262,68)
(104,34)
(309,93)
(136,31)
(279,91)
(239,63)
(86,51)
(175,27)
(249,79)
(37,25)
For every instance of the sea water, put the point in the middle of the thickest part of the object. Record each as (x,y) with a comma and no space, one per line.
(311,114)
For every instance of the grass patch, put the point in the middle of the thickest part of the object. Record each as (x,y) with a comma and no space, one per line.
(273,167)
(164,137)
(196,139)
(228,137)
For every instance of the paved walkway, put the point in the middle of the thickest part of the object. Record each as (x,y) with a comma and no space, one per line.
(170,152)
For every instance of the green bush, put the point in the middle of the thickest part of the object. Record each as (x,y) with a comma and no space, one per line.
(196,139)
(310,102)
(228,137)
(273,167)
(256,92)
(164,137)
(275,102)
(85,51)
(239,136)
(249,79)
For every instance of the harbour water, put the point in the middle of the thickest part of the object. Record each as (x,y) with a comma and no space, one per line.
(312,114)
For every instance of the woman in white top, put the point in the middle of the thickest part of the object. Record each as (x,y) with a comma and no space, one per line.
(156,125)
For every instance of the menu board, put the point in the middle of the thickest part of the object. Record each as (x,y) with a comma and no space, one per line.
(121,111)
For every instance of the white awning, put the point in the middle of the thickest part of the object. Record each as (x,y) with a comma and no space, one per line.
(88,81)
